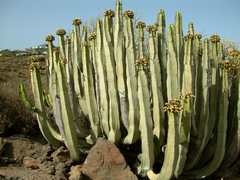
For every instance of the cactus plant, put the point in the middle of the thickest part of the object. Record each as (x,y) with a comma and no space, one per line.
(123,98)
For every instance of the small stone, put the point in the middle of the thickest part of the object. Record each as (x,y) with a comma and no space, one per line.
(61,170)
(31,162)
(61,155)
(75,173)
(48,167)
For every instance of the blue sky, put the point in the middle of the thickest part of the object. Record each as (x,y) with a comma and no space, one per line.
(25,23)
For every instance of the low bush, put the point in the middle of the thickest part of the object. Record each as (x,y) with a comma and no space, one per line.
(41,59)
(15,118)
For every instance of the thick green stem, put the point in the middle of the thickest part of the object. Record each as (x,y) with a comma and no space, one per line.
(133,131)
(171,152)
(103,87)
(157,92)
(120,57)
(89,91)
(214,101)
(187,86)
(173,84)
(162,50)
(67,115)
(47,130)
(114,108)
(199,145)
(212,166)
(146,125)
(179,45)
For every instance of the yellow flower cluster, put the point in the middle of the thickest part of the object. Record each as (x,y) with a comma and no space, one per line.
(200,51)
(186,96)
(84,43)
(141,24)
(128,14)
(77,22)
(109,12)
(61,32)
(192,36)
(33,62)
(173,106)
(49,38)
(142,63)
(214,38)
(151,28)
(35,65)
(225,64)
(67,40)
(92,36)
(32,59)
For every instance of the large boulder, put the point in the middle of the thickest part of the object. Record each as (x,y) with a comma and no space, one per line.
(105,161)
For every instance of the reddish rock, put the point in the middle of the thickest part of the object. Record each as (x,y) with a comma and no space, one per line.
(75,173)
(18,146)
(105,161)
(31,162)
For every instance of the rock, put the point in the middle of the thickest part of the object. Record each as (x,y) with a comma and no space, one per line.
(21,172)
(18,146)
(62,170)
(32,163)
(42,152)
(105,161)
(61,155)
(75,173)
(48,167)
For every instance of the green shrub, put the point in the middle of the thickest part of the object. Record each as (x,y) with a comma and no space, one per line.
(41,59)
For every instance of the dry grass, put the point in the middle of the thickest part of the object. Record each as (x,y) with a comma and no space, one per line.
(14,116)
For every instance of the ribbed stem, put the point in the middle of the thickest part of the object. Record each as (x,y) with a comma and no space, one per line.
(146,125)
(103,87)
(162,50)
(133,131)
(179,45)
(157,91)
(173,84)
(187,86)
(114,106)
(120,57)
(89,91)
(47,130)
(196,152)
(67,115)
(221,134)
(171,152)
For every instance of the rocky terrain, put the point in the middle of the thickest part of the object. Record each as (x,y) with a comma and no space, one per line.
(25,158)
